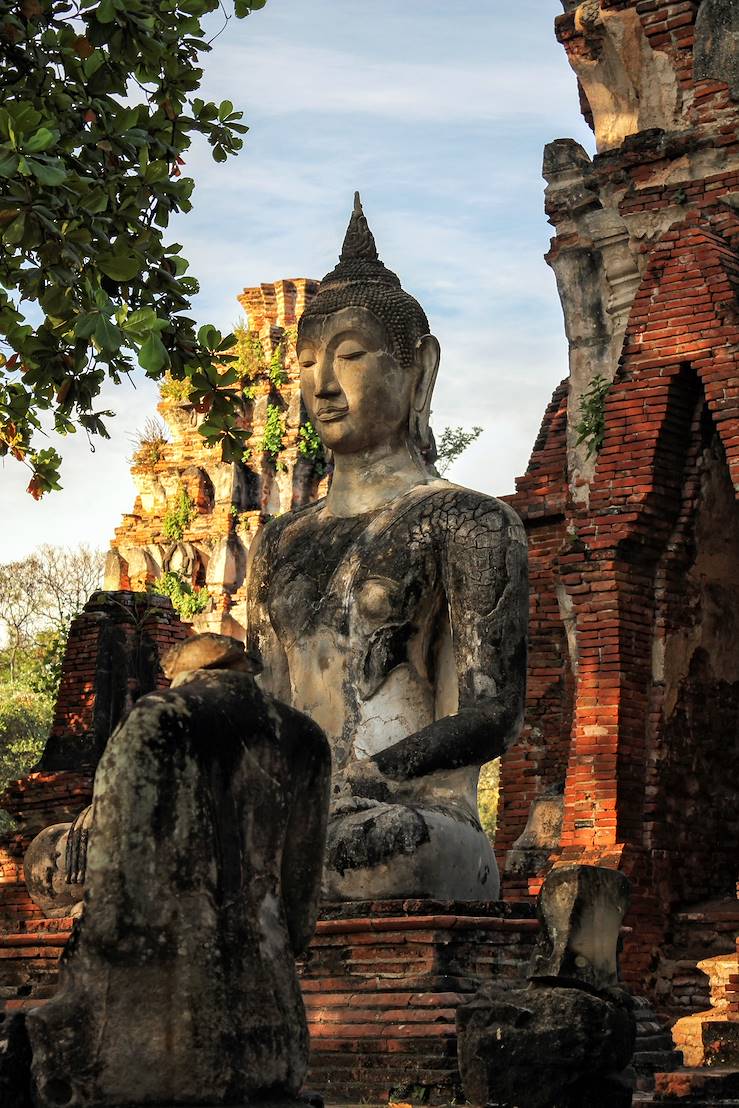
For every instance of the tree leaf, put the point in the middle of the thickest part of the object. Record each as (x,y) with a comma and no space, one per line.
(122,265)
(209,337)
(8,163)
(41,140)
(105,12)
(107,335)
(95,201)
(153,356)
(46,172)
(14,233)
(85,326)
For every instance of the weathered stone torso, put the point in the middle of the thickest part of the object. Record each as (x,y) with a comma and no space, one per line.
(363,609)
(210,808)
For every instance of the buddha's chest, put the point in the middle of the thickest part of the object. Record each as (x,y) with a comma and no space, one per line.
(358,581)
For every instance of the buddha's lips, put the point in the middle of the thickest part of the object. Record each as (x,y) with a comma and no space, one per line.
(328,415)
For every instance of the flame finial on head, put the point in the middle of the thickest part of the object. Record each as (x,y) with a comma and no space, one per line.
(360,280)
(359,242)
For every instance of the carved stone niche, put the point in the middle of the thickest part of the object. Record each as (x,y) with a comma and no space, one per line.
(140,567)
(716,50)
(629,86)
(199,488)
(597,279)
(186,560)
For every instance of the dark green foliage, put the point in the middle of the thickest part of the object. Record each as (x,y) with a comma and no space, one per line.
(99,106)
(591,427)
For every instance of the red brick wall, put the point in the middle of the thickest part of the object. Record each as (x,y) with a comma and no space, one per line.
(641,780)
(111,659)
(539,759)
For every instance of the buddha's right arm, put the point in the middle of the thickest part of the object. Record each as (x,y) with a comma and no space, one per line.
(261,639)
(485,582)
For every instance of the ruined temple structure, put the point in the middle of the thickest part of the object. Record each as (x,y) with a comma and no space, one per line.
(195,515)
(630,756)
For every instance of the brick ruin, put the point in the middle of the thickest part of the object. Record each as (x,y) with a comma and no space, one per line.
(630,753)
(632,729)
(226,502)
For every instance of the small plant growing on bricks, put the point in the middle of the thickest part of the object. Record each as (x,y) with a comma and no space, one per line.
(274,431)
(186,601)
(591,427)
(179,516)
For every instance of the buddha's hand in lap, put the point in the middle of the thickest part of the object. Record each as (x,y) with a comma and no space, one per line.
(359,786)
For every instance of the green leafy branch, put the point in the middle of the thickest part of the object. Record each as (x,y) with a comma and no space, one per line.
(276,369)
(453,442)
(310,446)
(274,431)
(99,106)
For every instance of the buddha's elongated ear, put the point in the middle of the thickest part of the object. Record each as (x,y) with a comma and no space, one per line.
(426,365)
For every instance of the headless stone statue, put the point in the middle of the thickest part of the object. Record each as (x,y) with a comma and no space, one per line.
(203,871)
(566,1040)
(393,612)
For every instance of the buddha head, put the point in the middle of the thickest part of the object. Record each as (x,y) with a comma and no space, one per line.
(367,361)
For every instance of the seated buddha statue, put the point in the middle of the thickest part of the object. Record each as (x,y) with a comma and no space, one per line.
(392,612)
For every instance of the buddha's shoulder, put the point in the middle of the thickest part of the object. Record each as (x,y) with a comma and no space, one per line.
(272,531)
(465,514)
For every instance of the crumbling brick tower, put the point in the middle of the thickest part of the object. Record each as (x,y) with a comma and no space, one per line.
(196,515)
(630,498)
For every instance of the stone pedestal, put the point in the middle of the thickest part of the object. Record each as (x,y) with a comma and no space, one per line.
(382,982)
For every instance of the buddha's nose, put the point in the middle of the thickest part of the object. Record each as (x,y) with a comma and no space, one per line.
(326,381)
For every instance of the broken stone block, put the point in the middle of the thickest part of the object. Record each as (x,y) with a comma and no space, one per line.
(531,850)
(565,1041)
(581,910)
(545,1048)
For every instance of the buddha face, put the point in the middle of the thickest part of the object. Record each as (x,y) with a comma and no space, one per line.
(356,394)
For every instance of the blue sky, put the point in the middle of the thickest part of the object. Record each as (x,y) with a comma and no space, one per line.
(438,113)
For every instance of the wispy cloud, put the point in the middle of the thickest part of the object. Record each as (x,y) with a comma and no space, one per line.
(315,81)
